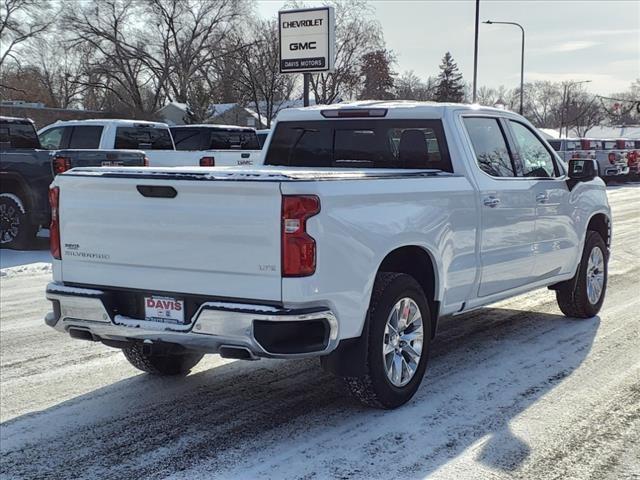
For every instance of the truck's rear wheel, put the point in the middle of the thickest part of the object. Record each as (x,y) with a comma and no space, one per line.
(16,230)
(582,297)
(399,335)
(173,364)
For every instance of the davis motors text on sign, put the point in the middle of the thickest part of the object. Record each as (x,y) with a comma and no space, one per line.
(307,39)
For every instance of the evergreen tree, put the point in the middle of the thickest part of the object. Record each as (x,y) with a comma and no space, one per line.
(450,85)
(377,75)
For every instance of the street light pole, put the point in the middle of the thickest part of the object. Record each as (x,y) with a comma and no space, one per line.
(475,53)
(489,22)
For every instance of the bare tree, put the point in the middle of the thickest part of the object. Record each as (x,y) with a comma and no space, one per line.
(21,21)
(583,113)
(409,86)
(120,65)
(259,78)
(186,39)
(543,103)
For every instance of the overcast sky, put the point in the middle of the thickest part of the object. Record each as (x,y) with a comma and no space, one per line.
(565,40)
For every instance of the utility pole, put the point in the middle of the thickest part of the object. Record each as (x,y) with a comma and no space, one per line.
(475,53)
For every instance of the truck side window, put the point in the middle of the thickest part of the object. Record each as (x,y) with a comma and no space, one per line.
(536,159)
(86,137)
(143,138)
(51,139)
(187,138)
(490,146)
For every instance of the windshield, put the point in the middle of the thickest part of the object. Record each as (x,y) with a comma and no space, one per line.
(415,144)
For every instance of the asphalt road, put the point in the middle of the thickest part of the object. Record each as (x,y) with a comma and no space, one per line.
(512,391)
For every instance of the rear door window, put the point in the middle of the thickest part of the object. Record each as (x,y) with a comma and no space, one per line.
(490,146)
(86,137)
(143,138)
(187,138)
(410,144)
(52,138)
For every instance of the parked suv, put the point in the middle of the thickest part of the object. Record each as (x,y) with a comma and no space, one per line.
(612,159)
(370,222)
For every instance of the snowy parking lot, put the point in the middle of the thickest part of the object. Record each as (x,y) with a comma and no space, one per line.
(512,391)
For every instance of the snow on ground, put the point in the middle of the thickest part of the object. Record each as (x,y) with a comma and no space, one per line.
(514,391)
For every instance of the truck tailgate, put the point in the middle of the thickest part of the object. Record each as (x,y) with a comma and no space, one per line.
(214,238)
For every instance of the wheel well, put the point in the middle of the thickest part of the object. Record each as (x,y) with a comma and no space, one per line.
(600,223)
(14,186)
(416,261)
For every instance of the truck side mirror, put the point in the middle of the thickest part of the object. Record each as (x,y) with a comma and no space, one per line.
(581,170)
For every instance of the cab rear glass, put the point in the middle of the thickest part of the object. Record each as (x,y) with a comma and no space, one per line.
(19,135)
(404,144)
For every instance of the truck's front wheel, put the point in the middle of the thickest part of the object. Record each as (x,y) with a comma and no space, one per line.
(399,334)
(169,364)
(582,297)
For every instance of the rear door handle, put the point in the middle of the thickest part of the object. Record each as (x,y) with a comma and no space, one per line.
(491,202)
(542,197)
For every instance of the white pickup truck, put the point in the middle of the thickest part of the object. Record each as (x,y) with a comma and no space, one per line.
(154,138)
(369,223)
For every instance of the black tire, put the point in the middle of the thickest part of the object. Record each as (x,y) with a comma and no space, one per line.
(574,302)
(16,229)
(375,389)
(173,364)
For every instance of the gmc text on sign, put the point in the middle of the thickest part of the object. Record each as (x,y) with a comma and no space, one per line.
(307,39)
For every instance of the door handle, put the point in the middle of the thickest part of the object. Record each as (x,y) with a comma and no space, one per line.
(542,197)
(491,202)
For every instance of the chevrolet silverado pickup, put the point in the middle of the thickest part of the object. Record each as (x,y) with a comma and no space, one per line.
(26,172)
(154,138)
(368,223)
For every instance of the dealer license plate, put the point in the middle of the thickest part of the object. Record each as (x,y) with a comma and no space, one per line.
(164,309)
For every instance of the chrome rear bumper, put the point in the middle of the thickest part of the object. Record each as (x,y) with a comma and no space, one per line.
(214,325)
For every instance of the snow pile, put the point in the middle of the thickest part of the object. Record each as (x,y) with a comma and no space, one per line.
(29,269)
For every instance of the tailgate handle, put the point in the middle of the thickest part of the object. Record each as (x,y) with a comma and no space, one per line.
(157,191)
(245,155)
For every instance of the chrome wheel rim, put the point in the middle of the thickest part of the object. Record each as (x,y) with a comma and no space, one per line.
(402,342)
(9,223)
(595,275)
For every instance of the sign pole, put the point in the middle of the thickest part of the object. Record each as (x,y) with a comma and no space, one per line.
(307,80)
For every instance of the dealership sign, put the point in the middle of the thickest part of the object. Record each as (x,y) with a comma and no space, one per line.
(307,40)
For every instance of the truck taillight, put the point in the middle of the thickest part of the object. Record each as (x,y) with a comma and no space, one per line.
(298,247)
(208,162)
(61,165)
(145,161)
(54,227)
(612,158)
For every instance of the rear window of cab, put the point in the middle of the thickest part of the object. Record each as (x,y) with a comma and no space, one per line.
(404,144)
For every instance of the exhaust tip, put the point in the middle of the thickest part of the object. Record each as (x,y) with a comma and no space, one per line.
(238,353)
(81,334)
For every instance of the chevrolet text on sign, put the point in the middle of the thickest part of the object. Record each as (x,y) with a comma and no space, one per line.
(307,39)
